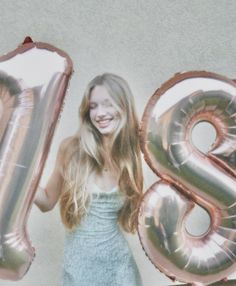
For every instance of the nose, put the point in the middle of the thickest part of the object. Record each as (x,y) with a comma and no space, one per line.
(101,111)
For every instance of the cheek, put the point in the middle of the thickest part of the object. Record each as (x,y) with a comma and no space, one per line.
(114,112)
(117,115)
(91,115)
(121,120)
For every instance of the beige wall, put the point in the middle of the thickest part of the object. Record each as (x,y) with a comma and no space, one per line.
(146,42)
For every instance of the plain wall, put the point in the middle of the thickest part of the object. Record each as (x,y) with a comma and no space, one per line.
(146,42)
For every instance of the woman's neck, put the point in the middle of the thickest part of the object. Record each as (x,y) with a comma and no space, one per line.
(106,141)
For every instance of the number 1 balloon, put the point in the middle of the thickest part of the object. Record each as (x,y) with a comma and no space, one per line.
(189,176)
(33,82)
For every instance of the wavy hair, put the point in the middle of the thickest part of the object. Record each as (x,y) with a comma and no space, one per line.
(84,153)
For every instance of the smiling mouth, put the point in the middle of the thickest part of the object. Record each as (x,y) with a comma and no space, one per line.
(104,122)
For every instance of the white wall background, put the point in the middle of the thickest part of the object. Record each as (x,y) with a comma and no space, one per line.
(146,42)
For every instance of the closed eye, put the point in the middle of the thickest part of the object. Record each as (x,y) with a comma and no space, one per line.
(92,106)
(107,104)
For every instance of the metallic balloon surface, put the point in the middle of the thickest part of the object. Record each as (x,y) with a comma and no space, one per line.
(188,176)
(33,82)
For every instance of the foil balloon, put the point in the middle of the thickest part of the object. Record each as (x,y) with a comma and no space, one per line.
(189,177)
(220,283)
(33,82)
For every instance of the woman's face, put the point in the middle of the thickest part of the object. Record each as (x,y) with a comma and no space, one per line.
(103,111)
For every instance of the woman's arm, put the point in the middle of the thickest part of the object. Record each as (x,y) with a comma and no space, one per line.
(46,198)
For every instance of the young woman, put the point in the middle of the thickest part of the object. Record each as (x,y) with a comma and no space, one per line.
(98,178)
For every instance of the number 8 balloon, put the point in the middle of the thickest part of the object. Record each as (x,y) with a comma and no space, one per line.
(33,82)
(189,176)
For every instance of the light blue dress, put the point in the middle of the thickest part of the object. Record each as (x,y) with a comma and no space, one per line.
(96,252)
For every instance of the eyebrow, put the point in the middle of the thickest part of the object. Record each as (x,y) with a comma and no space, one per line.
(104,101)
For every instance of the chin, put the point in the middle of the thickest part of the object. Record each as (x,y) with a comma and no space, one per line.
(106,133)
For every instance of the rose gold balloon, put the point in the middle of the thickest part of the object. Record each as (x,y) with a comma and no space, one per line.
(221,283)
(33,82)
(189,176)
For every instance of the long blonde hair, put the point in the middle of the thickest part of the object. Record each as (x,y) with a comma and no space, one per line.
(84,154)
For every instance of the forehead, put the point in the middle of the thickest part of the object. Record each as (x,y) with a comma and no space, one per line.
(100,94)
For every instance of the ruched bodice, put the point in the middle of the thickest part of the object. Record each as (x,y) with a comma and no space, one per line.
(101,218)
(96,252)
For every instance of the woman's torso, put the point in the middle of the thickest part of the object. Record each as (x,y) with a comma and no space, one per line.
(96,252)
